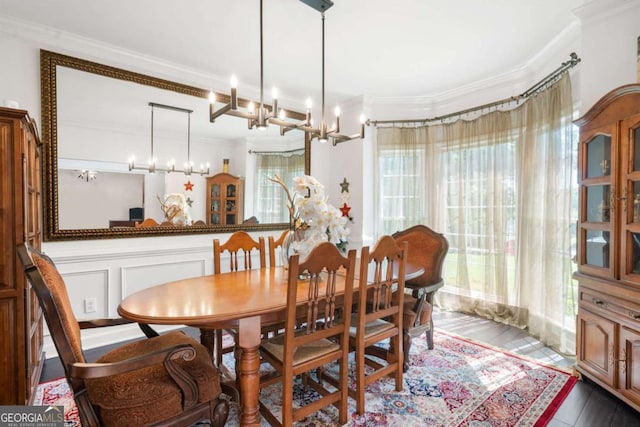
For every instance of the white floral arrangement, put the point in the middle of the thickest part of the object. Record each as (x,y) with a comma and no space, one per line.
(175,208)
(311,216)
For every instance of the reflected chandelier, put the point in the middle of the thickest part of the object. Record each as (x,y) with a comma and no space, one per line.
(171,166)
(262,116)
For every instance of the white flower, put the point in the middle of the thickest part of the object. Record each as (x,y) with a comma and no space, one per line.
(311,213)
(175,208)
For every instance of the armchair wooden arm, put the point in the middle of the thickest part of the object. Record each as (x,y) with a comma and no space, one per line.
(101,323)
(99,370)
(148,331)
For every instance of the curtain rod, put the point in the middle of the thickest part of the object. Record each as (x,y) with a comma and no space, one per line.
(300,150)
(546,81)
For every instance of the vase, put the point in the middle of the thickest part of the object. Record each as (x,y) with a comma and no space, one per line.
(289,246)
(287,249)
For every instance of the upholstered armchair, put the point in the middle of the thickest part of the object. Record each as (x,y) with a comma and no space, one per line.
(428,250)
(165,380)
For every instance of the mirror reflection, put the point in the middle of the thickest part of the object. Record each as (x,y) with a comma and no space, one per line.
(96,119)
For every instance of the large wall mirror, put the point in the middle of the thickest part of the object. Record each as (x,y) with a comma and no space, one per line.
(95,118)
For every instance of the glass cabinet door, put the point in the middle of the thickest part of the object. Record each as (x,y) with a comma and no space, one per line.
(231,190)
(630,199)
(598,156)
(215,190)
(597,246)
(598,200)
(215,201)
(225,199)
(599,203)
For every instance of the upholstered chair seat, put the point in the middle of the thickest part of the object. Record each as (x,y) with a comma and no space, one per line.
(132,398)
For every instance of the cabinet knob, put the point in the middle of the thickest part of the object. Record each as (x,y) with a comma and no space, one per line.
(597,302)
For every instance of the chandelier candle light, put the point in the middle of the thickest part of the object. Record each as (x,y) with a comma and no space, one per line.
(171,166)
(262,116)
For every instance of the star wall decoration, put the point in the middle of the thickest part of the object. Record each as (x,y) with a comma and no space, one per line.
(189,201)
(188,186)
(344,186)
(344,195)
(345,210)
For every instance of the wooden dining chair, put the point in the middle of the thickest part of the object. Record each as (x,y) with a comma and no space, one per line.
(274,327)
(378,318)
(148,222)
(164,380)
(323,338)
(273,245)
(427,249)
(241,248)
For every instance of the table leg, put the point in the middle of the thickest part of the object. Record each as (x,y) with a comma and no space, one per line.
(248,370)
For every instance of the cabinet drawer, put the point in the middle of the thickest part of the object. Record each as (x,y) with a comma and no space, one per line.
(608,305)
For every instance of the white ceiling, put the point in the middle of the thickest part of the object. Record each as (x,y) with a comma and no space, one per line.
(374,47)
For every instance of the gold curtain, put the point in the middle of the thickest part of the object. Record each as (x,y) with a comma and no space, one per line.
(500,188)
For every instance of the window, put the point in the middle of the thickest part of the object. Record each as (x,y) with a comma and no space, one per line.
(400,205)
(269,200)
(502,189)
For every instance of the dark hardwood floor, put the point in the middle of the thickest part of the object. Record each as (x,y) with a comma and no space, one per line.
(588,405)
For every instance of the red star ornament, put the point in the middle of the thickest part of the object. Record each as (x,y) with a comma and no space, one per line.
(188,186)
(345,209)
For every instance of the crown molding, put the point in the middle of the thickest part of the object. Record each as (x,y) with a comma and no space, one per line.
(600,10)
(94,50)
(422,105)
(509,83)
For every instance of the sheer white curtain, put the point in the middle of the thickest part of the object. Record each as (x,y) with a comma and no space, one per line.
(269,199)
(500,188)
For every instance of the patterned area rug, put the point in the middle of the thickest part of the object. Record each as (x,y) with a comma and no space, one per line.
(458,383)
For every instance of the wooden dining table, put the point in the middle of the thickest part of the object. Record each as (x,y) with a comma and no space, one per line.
(244,300)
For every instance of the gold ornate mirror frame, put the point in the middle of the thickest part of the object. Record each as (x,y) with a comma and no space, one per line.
(49,61)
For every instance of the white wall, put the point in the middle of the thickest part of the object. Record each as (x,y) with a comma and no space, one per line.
(82,204)
(111,269)
(610,30)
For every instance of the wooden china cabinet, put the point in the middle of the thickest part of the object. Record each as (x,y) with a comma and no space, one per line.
(608,328)
(20,218)
(225,199)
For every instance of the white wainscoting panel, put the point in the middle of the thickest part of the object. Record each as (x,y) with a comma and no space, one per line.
(88,284)
(109,270)
(137,278)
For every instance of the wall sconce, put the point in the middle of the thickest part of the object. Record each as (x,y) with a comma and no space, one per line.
(87,175)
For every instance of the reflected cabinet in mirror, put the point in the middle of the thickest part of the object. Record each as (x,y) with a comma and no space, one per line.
(103,126)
